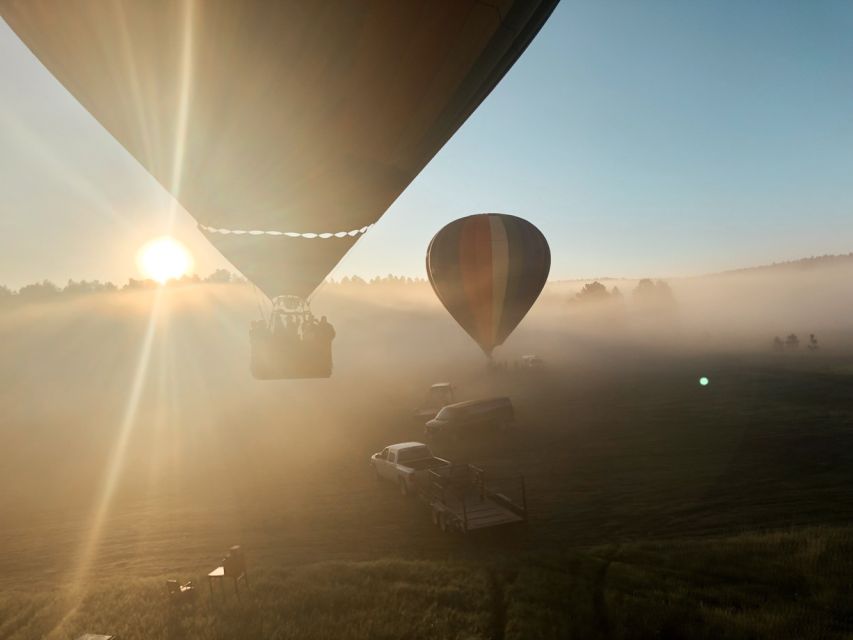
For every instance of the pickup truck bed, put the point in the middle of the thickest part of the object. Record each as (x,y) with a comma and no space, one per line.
(476,512)
(426,463)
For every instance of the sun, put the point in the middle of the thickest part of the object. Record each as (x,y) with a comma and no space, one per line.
(164,259)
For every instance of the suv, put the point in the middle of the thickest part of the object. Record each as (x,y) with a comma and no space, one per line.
(461,417)
(438,395)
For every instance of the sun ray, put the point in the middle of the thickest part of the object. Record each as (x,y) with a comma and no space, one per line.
(31,142)
(116,459)
(183,108)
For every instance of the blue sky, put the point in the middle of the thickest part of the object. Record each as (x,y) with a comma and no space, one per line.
(643,138)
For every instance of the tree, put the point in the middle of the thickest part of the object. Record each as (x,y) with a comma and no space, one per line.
(185,280)
(44,290)
(220,276)
(792,341)
(95,286)
(133,284)
(645,287)
(654,295)
(592,292)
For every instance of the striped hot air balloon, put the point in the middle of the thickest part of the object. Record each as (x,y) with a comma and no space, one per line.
(487,270)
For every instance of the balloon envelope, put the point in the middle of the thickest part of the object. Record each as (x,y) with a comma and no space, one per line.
(285,128)
(487,270)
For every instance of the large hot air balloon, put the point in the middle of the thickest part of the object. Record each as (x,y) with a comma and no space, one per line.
(487,270)
(286,128)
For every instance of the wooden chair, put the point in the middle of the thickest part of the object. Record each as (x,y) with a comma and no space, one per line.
(233,566)
(180,592)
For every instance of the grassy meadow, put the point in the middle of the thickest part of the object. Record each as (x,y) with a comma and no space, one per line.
(793,584)
(138,449)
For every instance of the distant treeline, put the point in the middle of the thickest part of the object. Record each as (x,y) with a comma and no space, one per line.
(813,262)
(647,291)
(47,290)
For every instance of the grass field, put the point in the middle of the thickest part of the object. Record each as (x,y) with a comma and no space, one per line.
(658,508)
(786,584)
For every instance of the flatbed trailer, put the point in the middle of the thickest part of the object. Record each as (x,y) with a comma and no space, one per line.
(462,499)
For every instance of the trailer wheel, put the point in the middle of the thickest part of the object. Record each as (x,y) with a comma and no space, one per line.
(404,490)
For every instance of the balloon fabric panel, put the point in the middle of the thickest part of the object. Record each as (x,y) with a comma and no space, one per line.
(286,117)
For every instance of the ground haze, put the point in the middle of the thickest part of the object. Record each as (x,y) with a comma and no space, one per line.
(138,449)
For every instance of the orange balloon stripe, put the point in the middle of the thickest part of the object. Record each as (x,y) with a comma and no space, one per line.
(475,261)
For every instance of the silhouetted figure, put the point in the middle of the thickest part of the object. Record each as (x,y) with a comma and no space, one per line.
(291,330)
(309,328)
(812,342)
(277,324)
(296,346)
(286,343)
(325,331)
(316,349)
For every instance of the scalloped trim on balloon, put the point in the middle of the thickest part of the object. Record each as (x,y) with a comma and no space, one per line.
(290,234)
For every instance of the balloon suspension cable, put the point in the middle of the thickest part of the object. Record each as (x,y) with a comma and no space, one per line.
(331,275)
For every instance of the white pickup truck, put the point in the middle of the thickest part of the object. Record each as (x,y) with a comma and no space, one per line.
(458,495)
(407,464)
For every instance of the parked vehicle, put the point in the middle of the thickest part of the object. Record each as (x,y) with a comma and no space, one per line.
(461,499)
(532,362)
(459,496)
(406,464)
(470,416)
(438,395)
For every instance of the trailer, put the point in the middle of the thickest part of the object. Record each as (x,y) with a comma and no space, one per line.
(461,498)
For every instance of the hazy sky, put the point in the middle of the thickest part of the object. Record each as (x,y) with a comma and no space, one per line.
(643,138)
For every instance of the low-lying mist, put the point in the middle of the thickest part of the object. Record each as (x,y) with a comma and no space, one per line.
(140,402)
